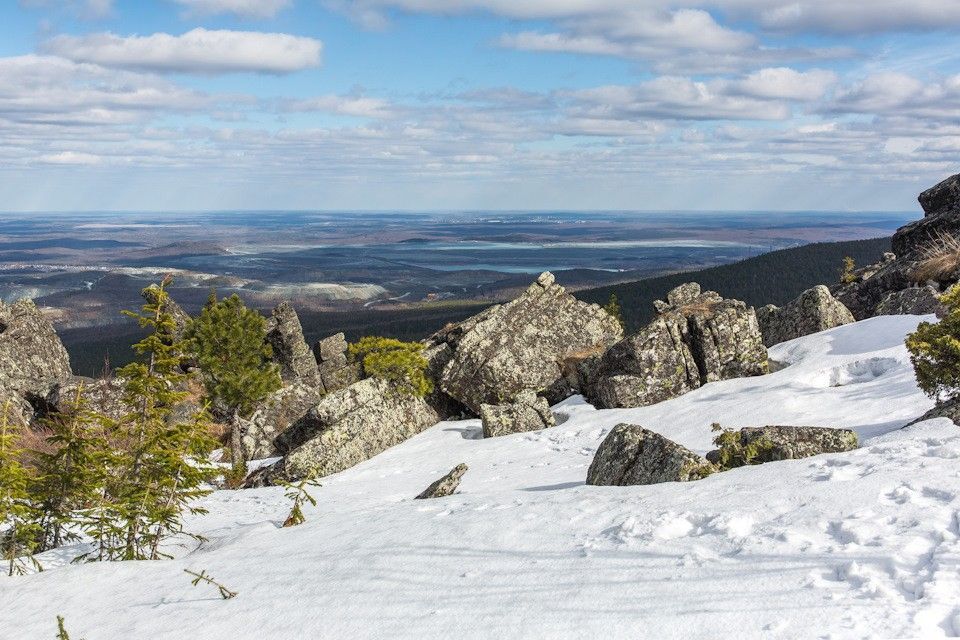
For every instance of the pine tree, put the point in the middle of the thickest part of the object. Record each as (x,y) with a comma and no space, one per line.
(935,351)
(161,467)
(228,341)
(69,478)
(299,495)
(613,308)
(18,528)
(399,362)
(847,274)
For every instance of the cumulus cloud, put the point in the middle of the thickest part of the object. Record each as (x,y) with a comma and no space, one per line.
(199,51)
(242,8)
(785,83)
(900,95)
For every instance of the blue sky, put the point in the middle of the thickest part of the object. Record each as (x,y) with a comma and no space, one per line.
(477,104)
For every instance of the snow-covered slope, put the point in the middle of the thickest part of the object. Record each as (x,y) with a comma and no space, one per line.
(862,544)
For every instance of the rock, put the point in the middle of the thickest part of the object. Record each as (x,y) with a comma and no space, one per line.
(812,311)
(519,346)
(791,443)
(941,208)
(917,301)
(945,409)
(632,455)
(445,486)
(32,358)
(276,414)
(352,425)
(290,349)
(528,412)
(694,341)
(103,396)
(18,412)
(336,372)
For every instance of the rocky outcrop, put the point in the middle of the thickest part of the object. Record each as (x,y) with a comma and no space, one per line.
(941,215)
(336,371)
(916,301)
(519,346)
(15,410)
(791,443)
(32,358)
(528,412)
(925,261)
(290,350)
(812,311)
(280,411)
(445,486)
(349,426)
(698,338)
(632,455)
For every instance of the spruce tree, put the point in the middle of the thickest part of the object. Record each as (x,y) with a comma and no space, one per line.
(69,478)
(161,468)
(935,351)
(613,308)
(399,362)
(18,528)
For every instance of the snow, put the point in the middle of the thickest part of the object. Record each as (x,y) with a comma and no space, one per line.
(853,545)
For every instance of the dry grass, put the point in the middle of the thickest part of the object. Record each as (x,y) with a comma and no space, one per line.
(939,260)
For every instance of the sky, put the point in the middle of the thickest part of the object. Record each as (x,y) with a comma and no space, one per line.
(477,104)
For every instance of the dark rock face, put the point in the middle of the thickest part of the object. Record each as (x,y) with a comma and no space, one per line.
(946,409)
(290,350)
(445,486)
(336,372)
(519,346)
(877,284)
(813,311)
(32,358)
(632,455)
(278,413)
(791,443)
(941,209)
(913,301)
(528,412)
(352,425)
(698,338)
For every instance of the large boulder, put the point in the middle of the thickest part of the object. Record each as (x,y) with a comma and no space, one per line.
(445,486)
(632,455)
(528,412)
(32,358)
(290,350)
(918,301)
(519,346)
(698,338)
(336,371)
(352,425)
(941,215)
(791,443)
(276,414)
(103,396)
(813,311)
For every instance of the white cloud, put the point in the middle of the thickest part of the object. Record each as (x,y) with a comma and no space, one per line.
(342,105)
(785,83)
(676,98)
(845,16)
(897,94)
(243,8)
(198,51)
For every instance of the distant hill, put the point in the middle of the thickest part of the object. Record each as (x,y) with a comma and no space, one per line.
(775,277)
(772,278)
